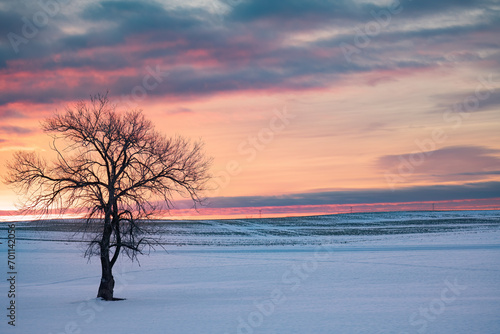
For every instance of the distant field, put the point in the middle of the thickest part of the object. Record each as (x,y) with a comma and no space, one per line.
(328,229)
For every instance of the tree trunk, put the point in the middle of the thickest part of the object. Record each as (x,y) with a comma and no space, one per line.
(107,282)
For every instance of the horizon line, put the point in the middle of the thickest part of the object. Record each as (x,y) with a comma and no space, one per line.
(290,211)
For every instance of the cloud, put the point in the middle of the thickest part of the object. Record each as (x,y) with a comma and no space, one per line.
(493,172)
(180,110)
(245,47)
(485,99)
(9,129)
(11,113)
(375,127)
(297,10)
(481,190)
(327,10)
(456,163)
(433,7)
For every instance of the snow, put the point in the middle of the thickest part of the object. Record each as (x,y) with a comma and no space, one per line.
(408,273)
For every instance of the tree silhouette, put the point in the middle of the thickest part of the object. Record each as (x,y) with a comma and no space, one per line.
(117,169)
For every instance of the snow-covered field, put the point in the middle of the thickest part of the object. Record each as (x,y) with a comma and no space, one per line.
(413,272)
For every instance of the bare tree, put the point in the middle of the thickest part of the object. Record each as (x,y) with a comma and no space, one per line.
(117,169)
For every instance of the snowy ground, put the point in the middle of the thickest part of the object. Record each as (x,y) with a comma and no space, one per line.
(362,273)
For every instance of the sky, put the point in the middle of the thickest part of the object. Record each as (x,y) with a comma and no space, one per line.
(302,104)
